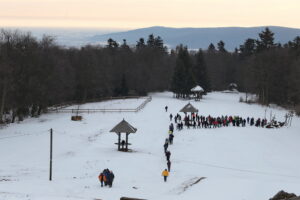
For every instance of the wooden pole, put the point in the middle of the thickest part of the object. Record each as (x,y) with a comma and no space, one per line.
(51,143)
(127,141)
(119,141)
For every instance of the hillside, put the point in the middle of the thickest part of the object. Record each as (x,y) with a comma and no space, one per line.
(196,38)
(237,162)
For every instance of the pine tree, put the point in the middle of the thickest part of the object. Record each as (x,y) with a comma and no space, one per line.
(211,48)
(158,43)
(200,72)
(221,47)
(124,87)
(124,45)
(151,41)
(266,40)
(140,44)
(248,48)
(183,79)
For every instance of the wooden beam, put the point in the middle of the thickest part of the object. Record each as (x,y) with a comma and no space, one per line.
(127,141)
(119,141)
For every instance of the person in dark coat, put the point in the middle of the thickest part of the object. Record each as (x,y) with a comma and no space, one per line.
(169,165)
(171,116)
(166,108)
(252,121)
(168,154)
(171,136)
(106,175)
(166,146)
(171,127)
(112,176)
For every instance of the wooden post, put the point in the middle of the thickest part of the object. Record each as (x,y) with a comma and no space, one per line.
(127,141)
(51,143)
(119,141)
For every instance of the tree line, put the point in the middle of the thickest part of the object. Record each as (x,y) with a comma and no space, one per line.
(36,74)
(259,66)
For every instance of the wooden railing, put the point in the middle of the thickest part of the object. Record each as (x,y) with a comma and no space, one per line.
(62,109)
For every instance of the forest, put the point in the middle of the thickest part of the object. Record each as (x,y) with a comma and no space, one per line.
(36,74)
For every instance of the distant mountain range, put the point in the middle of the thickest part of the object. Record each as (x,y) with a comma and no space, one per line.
(196,38)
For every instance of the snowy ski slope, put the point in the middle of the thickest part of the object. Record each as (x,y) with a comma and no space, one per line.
(237,163)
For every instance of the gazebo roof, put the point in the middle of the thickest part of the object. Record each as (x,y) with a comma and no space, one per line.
(123,127)
(189,108)
(233,85)
(198,88)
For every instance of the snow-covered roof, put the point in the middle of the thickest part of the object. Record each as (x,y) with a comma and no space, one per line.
(233,85)
(189,108)
(198,88)
(123,127)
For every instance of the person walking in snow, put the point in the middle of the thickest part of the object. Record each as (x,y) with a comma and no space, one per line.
(166,146)
(112,176)
(171,127)
(171,136)
(171,116)
(169,165)
(101,178)
(167,140)
(165,174)
(105,176)
(168,154)
(166,108)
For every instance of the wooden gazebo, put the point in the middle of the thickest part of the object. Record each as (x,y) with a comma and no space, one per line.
(189,108)
(198,91)
(123,127)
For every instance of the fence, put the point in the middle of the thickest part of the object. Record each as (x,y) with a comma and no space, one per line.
(62,109)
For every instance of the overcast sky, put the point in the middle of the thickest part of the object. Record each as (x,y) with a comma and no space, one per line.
(129,14)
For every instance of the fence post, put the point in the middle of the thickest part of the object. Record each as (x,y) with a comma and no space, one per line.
(51,143)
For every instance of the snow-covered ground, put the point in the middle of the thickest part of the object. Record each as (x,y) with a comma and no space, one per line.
(113,104)
(238,163)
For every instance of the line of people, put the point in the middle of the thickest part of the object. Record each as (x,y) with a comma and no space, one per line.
(199,121)
(168,141)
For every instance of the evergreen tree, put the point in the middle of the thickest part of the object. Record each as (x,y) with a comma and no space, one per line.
(124,87)
(221,47)
(151,41)
(266,40)
(158,43)
(124,45)
(112,43)
(177,83)
(183,79)
(140,44)
(211,48)
(248,48)
(200,72)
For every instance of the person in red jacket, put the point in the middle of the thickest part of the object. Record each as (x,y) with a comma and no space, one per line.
(101,178)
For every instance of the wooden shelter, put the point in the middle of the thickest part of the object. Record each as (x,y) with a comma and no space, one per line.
(189,108)
(232,87)
(197,91)
(123,127)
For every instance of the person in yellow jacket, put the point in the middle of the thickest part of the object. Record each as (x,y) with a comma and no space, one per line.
(165,174)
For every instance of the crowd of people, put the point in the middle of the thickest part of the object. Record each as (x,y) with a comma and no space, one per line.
(194,120)
(199,121)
